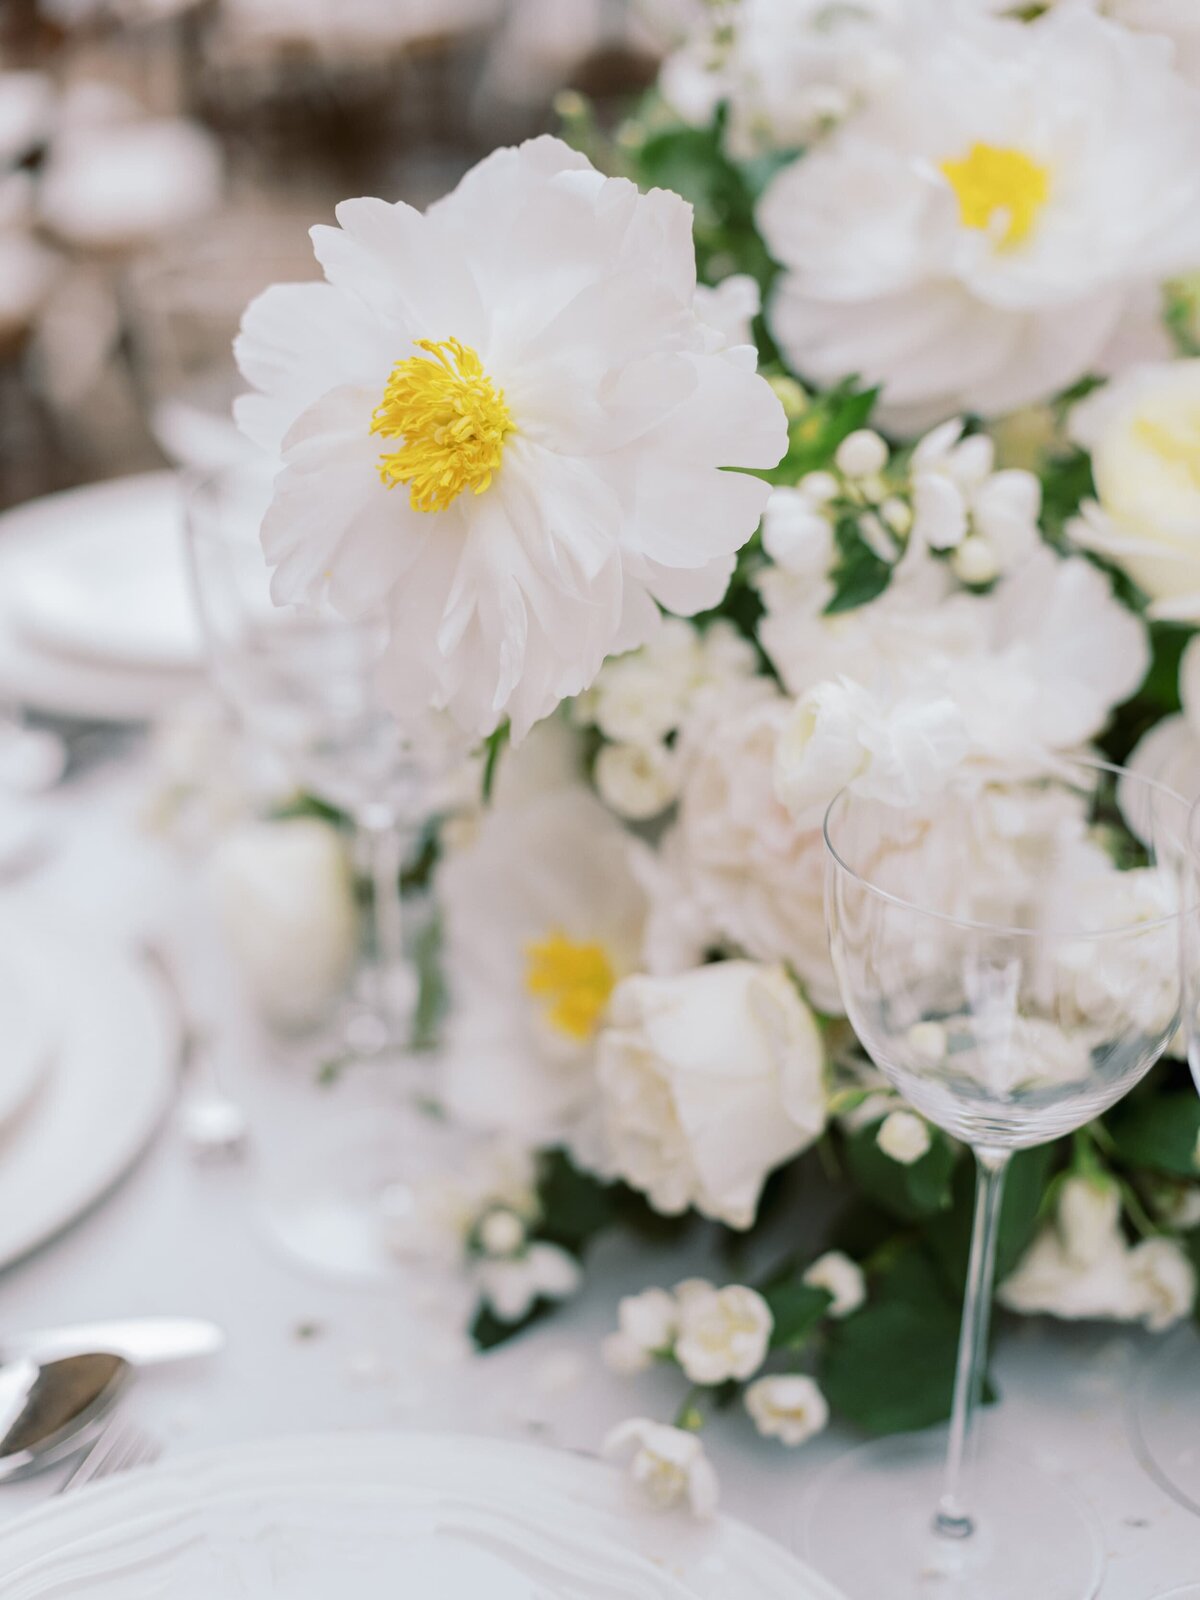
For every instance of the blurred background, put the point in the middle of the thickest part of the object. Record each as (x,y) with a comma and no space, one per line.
(162,160)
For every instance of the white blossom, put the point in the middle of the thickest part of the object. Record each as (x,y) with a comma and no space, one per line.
(723,1334)
(637,781)
(789,1407)
(840,1277)
(512,1285)
(904,1137)
(669,1467)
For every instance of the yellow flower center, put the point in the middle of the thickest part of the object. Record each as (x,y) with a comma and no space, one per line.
(1175,439)
(574,980)
(453,421)
(998,188)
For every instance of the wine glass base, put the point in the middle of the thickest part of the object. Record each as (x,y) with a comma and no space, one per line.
(870,1529)
(331,1202)
(1165,1418)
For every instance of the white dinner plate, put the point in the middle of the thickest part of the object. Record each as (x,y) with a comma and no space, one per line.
(109,1082)
(377,1516)
(26,1034)
(96,619)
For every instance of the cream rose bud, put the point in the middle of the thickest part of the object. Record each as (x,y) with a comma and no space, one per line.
(975,561)
(706,1083)
(904,1137)
(789,1407)
(841,1278)
(285,899)
(1166,1281)
(723,1334)
(861,454)
(1089,1211)
(624,1356)
(502,1232)
(1141,430)
(669,1467)
(637,781)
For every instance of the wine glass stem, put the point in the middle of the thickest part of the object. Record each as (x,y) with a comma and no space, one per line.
(384,844)
(952,1520)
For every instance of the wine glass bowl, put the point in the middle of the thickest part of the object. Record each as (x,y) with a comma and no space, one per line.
(1011,986)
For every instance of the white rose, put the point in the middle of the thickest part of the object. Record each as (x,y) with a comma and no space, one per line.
(512,1286)
(285,899)
(789,1407)
(840,1277)
(1089,1211)
(1047,1281)
(650,1319)
(637,781)
(707,1082)
(669,1466)
(904,1137)
(1141,430)
(723,1334)
(1167,1281)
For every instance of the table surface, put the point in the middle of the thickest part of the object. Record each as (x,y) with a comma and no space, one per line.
(306,1354)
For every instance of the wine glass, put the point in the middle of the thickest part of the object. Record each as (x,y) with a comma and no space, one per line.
(1165,1411)
(303,683)
(1012,982)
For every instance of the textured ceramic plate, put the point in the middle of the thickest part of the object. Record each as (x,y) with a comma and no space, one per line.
(376,1516)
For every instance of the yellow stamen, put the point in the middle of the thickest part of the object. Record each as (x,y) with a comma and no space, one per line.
(576,981)
(998,187)
(453,421)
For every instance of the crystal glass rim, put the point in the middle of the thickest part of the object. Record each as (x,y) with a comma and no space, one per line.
(999,929)
(197,482)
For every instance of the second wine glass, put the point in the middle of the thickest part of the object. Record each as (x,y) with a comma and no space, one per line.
(1007,957)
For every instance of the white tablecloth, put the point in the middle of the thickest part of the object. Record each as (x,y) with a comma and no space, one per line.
(303,1354)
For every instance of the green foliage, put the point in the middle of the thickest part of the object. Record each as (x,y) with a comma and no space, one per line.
(889,1368)
(1158,696)
(797,1309)
(493,747)
(814,436)
(860,576)
(1066,483)
(1157,1132)
(487,1330)
(911,1193)
(575,1206)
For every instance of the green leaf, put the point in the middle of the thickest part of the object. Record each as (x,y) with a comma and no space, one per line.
(797,1309)
(889,1368)
(1158,1132)
(575,1206)
(488,1330)
(493,745)
(860,576)
(912,1192)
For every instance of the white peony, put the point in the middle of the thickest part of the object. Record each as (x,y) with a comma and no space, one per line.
(904,1137)
(505,422)
(840,1277)
(285,898)
(669,1467)
(751,877)
(543,918)
(991,656)
(723,1334)
(975,236)
(707,1083)
(1143,432)
(789,1407)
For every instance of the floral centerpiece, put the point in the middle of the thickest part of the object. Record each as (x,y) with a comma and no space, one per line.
(908,478)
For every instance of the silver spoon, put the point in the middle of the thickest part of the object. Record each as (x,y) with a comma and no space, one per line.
(51,1410)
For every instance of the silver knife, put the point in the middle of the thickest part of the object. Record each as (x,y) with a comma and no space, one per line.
(143,1341)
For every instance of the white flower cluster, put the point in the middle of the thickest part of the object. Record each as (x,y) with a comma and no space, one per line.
(483,1214)
(640,701)
(718,1336)
(944,497)
(1081,1265)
